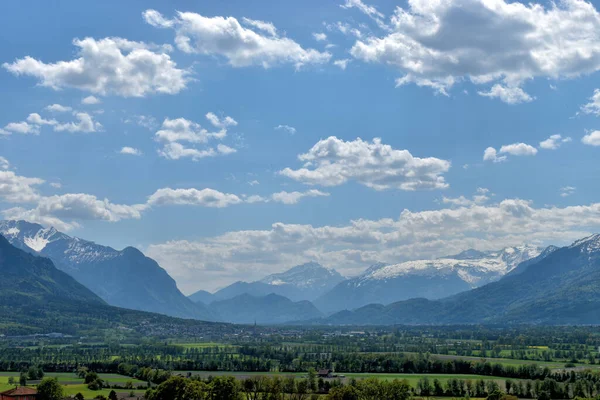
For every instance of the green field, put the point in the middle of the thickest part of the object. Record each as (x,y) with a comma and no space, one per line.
(73,384)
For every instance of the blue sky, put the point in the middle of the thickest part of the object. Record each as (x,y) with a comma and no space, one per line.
(437,83)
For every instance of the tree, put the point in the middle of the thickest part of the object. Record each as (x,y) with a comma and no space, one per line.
(50,389)
(79,396)
(90,377)
(23,379)
(11,380)
(312,380)
(112,395)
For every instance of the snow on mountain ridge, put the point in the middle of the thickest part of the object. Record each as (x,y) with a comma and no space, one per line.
(471,270)
(590,244)
(303,276)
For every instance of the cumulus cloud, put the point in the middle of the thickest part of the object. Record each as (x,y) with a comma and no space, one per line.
(85,124)
(592,139)
(509,95)
(554,142)
(515,149)
(17,189)
(518,149)
(130,151)
(90,100)
(108,66)
(58,108)
(286,128)
(490,154)
(257,43)
(4,164)
(22,127)
(251,254)
(320,37)
(35,118)
(333,161)
(195,197)
(506,43)
(179,135)
(295,197)
(593,107)
(64,211)
(480,197)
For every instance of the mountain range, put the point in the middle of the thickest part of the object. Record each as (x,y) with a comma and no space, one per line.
(38,298)
(561,286)
(432,279)
(124,278)
(303,282)
(269,309)
(553,286)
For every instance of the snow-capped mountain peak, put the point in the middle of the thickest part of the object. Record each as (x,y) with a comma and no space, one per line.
(303,276)
(590,244)
(472,266)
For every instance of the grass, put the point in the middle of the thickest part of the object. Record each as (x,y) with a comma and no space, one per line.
(73,384)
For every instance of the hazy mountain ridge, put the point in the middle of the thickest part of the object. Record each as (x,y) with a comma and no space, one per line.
(269,309)
(123,278)
(431,279)
(303,282)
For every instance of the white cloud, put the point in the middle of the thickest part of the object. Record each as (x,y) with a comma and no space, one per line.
(515,149)
(195,197)
(108,66)
(220,122)
(294,197)
(17,189)
(342,64)
(145,121)
(176,151)
(261,26)
(490,154)
(175,132)
(333,161)
(58,108)
(554,142)
(130,151)
(251,254)
(444,42)
(90,100)
(481,197)
(370,11)
(64,211)
(344,28)
(241,46)
(509,95)
(56,185)
(592,139)
(567,191)
(85,123)
(518,149)
(35,118)
(286,128)
(593,107)
(4,164)
(254,183)
(320,37)
(23,127)
(223,149)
